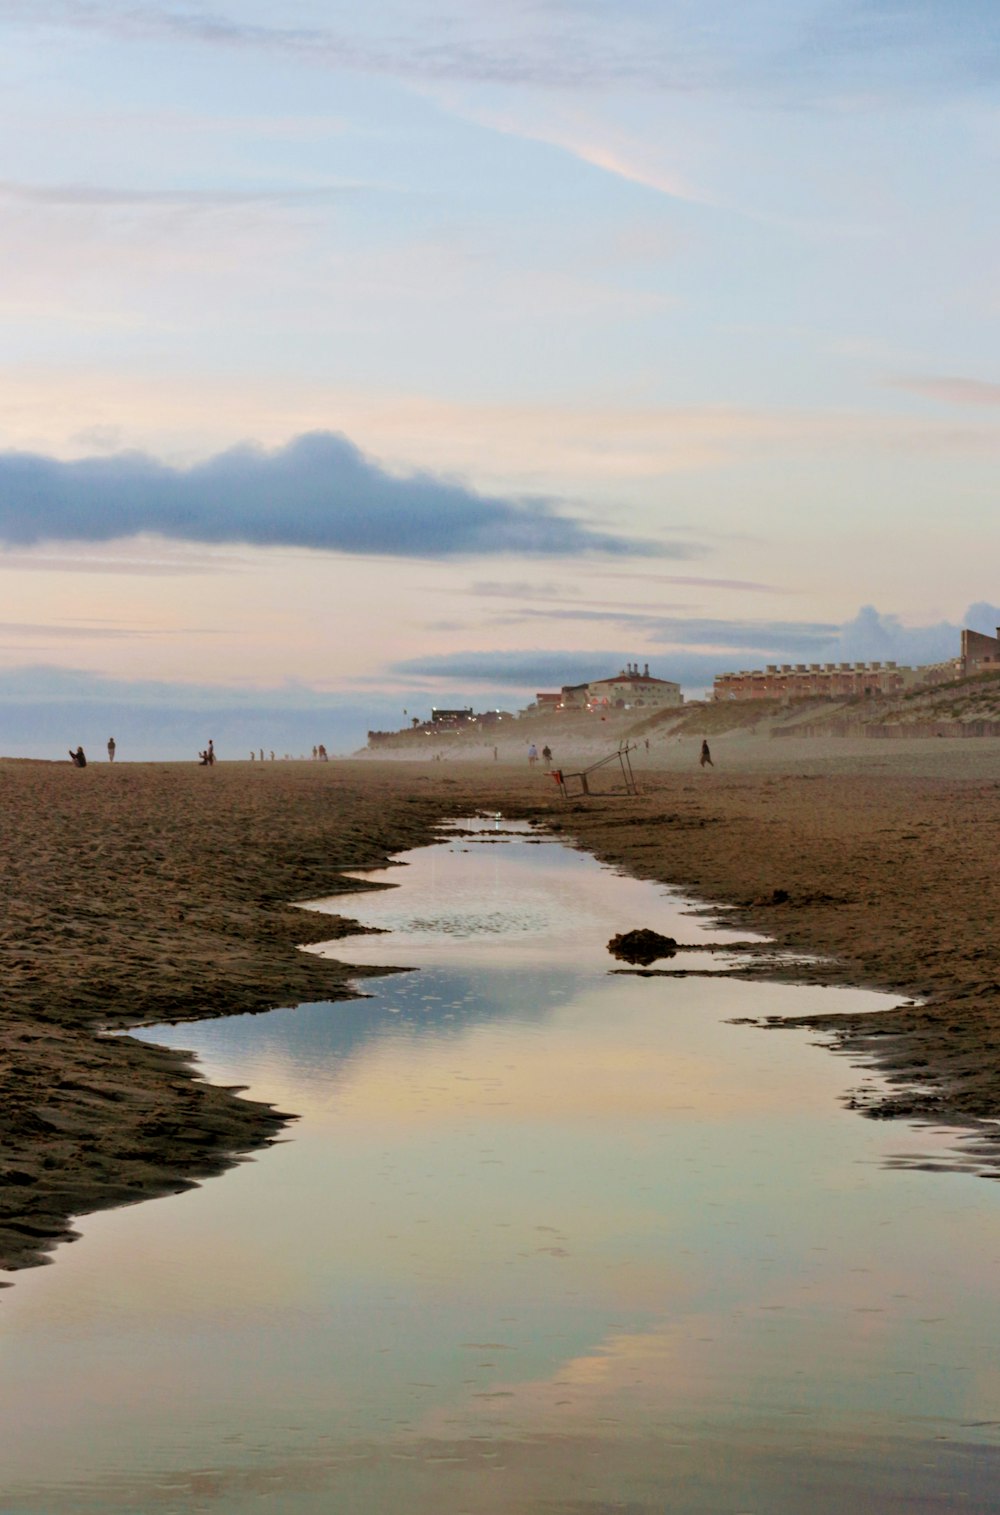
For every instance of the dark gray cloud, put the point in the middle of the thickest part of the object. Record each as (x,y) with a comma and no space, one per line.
(318,492)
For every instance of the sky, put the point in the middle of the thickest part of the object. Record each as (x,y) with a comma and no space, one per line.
(355,360)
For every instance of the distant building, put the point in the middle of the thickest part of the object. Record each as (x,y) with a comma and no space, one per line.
(573,696)
(980,654)
(628,690)
(791,681)
(451,719)
(443,723)
(631,690)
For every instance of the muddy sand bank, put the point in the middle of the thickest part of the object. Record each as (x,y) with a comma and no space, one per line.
(143,893)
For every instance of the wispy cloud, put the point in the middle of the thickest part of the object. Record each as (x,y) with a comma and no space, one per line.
(697,582)
(802,52)
(688,631)
(527,45)
(156,560)
(89,630)
(590,140)
(115,197)
(318,492)
(951,389)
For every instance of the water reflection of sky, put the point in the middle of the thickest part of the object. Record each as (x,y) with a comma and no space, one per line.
(547,1239)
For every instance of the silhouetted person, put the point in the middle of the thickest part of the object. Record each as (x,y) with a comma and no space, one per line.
(547,754)
(210,752)
(78,758)
(111,749)
(706,756)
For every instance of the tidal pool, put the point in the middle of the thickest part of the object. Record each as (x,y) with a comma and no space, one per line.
(547,1238)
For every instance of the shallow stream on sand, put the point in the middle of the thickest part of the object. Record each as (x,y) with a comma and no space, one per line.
(548,1238)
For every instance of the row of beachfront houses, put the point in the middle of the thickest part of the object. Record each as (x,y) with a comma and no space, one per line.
(979,654)
(805,680)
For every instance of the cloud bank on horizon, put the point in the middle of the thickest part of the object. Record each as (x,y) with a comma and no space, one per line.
(319,491)
(870,636)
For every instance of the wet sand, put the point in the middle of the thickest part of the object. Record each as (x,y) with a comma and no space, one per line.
(144,893)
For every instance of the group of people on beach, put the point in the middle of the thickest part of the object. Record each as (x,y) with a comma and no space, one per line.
(704,758)
(79,757)
(207,758)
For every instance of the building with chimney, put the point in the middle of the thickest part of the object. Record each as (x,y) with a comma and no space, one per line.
(628,690)
(632,690)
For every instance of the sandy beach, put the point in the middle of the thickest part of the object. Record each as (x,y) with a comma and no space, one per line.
(144,893)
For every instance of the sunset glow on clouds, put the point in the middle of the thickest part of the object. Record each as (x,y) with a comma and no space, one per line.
(378,306)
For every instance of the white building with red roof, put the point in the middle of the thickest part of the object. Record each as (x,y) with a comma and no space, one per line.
(632,690)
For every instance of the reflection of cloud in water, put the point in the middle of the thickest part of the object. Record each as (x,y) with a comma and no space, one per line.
(322,1041)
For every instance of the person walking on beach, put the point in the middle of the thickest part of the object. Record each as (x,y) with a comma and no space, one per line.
(111,749)
(532,754)
(547,754)
(210,752)
(706,756)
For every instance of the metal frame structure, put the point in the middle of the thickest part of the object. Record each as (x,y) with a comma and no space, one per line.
(621,757)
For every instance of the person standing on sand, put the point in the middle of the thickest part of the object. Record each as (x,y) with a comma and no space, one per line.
(111,749)
(706,756)
(532,754)
(210,752)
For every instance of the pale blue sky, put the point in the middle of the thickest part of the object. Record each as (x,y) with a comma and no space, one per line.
(675,325)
